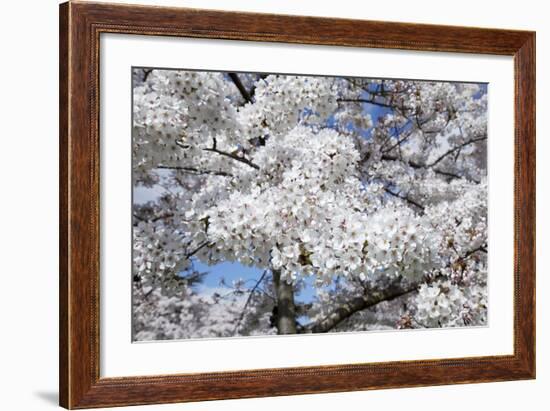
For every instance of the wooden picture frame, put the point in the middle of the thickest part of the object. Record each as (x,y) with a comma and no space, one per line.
(80,27)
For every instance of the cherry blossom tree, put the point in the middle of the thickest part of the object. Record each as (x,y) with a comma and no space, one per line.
(374,191)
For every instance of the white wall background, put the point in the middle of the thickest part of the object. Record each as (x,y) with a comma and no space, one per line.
(28,217)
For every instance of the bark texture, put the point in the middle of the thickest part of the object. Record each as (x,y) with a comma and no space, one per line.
(286,310)
(359,303)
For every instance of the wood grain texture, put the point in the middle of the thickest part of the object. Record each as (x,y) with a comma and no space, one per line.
(63,205)
(80,27)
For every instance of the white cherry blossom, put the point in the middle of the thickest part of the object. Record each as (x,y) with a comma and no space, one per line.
(374,191)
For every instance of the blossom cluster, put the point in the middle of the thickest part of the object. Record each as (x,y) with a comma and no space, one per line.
(281,102)
(444,304)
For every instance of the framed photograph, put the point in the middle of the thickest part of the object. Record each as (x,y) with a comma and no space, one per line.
(259,205)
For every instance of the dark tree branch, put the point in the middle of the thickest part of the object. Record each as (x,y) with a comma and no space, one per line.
(357,304)
(251,292)
(152,219)
(363,100)
(416,165)
(146,73)
(196,171)
(372,298)
(406,198)
(196,250)
(240,86)
(138,217)
(481,248)
(233,156)
(214,149)
(452,150)
(397,143)
(451,175)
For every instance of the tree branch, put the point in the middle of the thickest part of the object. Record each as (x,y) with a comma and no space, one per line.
(193,170)
(416,165)
(251,292)
(374,297)
(406,198)
(233,156)
(240,86)
(349,308)
(363,100)
(452,150)
(397,143)
(196,250)
(153,219)
(481,248)
(146,73)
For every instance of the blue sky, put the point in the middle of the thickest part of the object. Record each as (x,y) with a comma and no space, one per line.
(231,271)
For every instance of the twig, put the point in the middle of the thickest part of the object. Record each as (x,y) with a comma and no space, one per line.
(452,150)
(406,198)
(233,156)
(196,250)
(248,301)
(196,171)
(416,165)
(363,100)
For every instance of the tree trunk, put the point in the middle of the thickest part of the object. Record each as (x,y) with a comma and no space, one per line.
(286,310)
